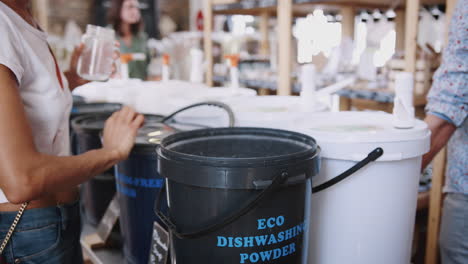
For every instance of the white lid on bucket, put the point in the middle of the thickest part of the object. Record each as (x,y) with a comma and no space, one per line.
(269,111)
(352,135)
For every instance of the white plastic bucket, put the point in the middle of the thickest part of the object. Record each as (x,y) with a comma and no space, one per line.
(207,115)
(270,111)
(159,97)
(369,217)
(112,91)
(166,97)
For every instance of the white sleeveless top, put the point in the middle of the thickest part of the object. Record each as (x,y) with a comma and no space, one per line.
(24,50)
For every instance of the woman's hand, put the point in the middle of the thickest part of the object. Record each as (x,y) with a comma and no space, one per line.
(120,131)
(74,80)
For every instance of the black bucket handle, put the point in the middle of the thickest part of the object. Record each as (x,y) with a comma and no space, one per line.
(276,183)
(372,156)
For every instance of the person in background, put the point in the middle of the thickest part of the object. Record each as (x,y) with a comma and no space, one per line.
(36,169)
(125,17)
(447,111)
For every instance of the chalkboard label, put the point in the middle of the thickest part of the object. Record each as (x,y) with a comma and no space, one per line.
(159,245)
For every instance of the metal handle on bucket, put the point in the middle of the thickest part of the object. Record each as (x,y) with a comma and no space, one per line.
(209,103)
(372,156)
(276,183)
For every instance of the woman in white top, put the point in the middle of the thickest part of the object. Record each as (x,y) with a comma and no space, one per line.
(35,165)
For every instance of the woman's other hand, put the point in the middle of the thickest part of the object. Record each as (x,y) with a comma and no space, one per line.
(74,80)
(120,131)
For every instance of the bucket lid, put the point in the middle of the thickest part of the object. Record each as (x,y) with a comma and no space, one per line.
(78,100)
(270,104)
(347,131)
(90,123)
(89,108)
(270,111)
(219,93)
(153,132)
(150,135)
(237,157)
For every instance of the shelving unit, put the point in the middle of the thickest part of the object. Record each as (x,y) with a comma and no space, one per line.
(285,10)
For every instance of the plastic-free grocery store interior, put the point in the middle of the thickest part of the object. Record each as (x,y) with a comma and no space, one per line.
(234,131)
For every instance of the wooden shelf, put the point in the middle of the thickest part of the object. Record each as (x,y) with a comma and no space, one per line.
(304,7)
(285,10)
(98,256)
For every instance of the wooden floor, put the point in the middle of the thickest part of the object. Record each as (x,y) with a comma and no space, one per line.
(100,256)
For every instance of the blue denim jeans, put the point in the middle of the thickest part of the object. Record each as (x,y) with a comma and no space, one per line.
(45,235)
(454,229)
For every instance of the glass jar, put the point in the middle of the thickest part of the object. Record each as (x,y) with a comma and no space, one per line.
(96,60)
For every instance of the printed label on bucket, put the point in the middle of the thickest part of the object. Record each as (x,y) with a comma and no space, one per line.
(275,241)
(127,185)
(159,245)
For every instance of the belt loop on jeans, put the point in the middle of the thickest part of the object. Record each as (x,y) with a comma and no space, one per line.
(63,216)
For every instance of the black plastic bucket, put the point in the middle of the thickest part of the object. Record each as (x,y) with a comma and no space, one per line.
(81,108)
(96,193)
(78,100)
(138,183)
(238,195)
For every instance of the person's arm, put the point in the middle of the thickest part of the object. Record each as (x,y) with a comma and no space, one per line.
(447,105)
(441,131)
(26,174)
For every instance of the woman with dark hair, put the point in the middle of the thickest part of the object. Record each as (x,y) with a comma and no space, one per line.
(125,17)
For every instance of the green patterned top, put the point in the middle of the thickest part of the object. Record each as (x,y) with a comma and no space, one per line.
(136,69)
